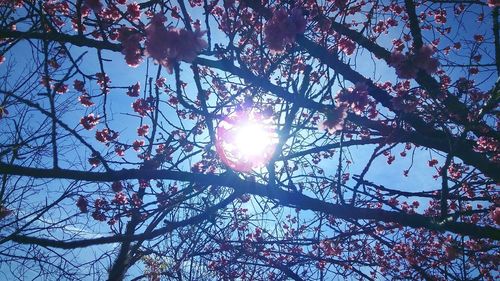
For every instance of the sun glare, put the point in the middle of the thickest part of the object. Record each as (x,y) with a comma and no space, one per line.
(246,140)
(251,139)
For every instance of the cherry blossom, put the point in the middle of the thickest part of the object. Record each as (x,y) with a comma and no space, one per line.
(94,5)
(117,186)
(167,45)
(94,161)
(131,48)
(134,11)
(79,86)
(282,28)
(134,90)
(89,121)
(106,135)
(408,65)
(85,100)
(143,130)
(335,119)
(82,204)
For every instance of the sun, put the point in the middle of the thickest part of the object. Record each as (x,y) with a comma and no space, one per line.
(251,139)
(246,140)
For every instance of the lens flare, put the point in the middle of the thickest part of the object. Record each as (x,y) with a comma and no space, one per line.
(246,140)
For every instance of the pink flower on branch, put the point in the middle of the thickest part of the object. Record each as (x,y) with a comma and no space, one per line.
(283,28)
(493,3)
(131,48)
(334,119)
(106,135)
(82,204)
(134,11)
(85,100)
(94,5)
(134,90)
(143,130)
(167,45)
(407,66)
(89,121)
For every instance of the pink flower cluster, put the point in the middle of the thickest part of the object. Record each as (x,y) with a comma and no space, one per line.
(89,121)
(282,28)
(134,90)
(131,48)
(493,3)
(143,106)
(495,215)
(347,46)
(106,135)
(101,205)
(143,130)
(82,204)
(407,66)
(167,45)
(354,98)
(488,145)
(94,5)
(134,11)
(351,99)
(334,119)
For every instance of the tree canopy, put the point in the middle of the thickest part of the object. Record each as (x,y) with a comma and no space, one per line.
(249,140)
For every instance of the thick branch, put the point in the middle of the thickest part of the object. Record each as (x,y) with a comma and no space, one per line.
(284,197)
(76,40)
(120,238)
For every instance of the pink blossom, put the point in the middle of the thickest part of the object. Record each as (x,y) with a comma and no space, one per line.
(494,3)
(134,11)
(189,45)
(422,59)
(138,144)
(282,28)
(106,135)
(134,90)
(408,65)
(95,5)
(495,215)
(117,186)
(89,121)
(355,99)
(334,119)
(111,14)
(4,212)
(120,198)
(143,130)
(167,45)
(347,46)
(79,86)
(94,160)
(103,81)
(120,151)
(143,106)
(82,204)
(61,88)
(131,48)
(404,69)
(489,145)
(160,82)
(85,100)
